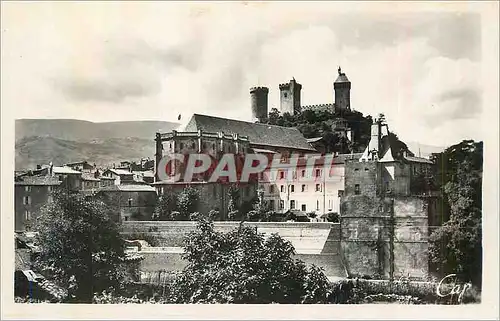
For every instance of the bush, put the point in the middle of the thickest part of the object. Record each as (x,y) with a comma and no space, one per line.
(243,267)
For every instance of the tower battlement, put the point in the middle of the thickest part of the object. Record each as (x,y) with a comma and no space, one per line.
(259,88)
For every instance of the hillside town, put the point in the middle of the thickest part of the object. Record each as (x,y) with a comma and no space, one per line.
(369,214)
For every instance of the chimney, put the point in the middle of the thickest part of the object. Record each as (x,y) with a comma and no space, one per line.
(258,101)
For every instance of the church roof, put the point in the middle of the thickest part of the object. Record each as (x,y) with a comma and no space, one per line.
(258,134)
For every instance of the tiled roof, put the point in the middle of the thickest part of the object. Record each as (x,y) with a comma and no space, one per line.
(144,173)
(315,139)
(38,180)
(120,171)
(258,134)
(129,188)
(64,170)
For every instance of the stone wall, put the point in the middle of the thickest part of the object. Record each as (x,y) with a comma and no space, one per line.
(384,235)
(315,243)
(364,174)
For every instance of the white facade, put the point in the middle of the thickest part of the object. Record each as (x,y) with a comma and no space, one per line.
(305,189)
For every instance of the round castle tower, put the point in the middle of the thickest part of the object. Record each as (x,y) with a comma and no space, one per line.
(258,99)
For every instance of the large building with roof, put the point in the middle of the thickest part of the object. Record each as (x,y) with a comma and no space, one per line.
(217,135)
(30,194)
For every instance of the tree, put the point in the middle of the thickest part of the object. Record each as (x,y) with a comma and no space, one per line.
(167,203)
(274,115)
(242,266)
(456,246)
(233,194)
(80,246)
(188,202)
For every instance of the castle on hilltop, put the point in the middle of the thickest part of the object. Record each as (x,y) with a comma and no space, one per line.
(290,98)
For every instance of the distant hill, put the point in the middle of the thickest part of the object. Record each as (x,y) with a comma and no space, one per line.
(81,130)
(40,141)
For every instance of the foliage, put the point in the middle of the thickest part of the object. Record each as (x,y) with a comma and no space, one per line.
(80,246)
(132,293)
(456,246)
(151,239)
(167,203)
(233,201)
(242,266)
(187,202)
(317,123)
(333,217)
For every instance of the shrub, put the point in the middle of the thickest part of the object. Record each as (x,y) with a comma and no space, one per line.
(243,267)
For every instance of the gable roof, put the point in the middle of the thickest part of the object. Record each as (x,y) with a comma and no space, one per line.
(39,180)
(118,172)
(64,170)
(128,188)
(258,134)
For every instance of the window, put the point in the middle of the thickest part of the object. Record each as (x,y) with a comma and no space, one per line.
(282,204)
(303,173)
(292,188)
(271,189)
(193,145)
(366,169)
(318,188)
(285,95)
(271,204)
(303,187)
(303,207)
(318,173)
(181,146)
(282,174)
(129,202)
(357,191)
(292,204)
(381,208)
(317,205)
(356,169)
(27,188)
(126,218)
(340,193)
(27,200)
(282,188)
(27,215)
(387,187)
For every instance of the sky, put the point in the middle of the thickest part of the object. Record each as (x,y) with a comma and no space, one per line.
(120,61)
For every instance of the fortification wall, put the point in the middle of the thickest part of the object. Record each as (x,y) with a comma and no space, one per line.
(315,243)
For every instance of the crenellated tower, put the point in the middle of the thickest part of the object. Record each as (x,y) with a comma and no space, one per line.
(290,97)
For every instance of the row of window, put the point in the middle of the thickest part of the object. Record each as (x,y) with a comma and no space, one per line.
(27,200)
(226,148)
(303,207)
(318,188)
(29,189)
(283,174)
